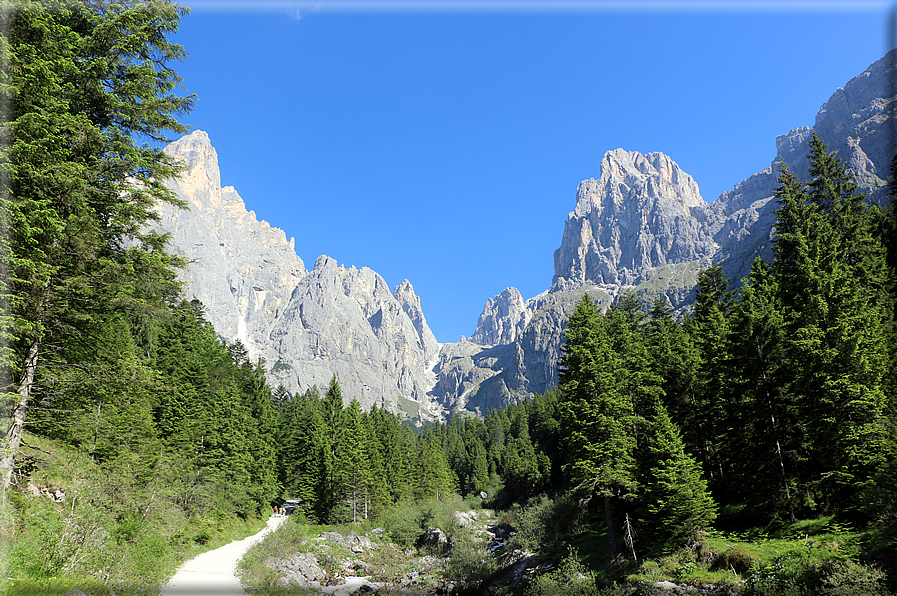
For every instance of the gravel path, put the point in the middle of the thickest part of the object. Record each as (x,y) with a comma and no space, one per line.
(213,573)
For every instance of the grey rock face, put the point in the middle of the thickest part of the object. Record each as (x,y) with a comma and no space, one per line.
(241,269)
(301,569)
(504,318)
(307,325)
(643,212)
(346,322)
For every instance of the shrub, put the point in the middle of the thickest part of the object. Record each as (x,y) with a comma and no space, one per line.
(846,578)
(571,578)
(736,560)
(790,574)
(469,563)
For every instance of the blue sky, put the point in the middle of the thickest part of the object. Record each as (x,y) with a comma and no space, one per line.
(442,142)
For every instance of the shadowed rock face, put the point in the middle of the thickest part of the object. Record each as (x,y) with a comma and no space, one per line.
(641,226)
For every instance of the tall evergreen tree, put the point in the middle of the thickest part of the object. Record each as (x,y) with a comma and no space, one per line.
(597,417)
(675,359)
(709,330)
(351,463)
(768,449)
(832,286)
(86,81)
(674,501)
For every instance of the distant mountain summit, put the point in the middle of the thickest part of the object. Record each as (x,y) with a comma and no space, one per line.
(642,226)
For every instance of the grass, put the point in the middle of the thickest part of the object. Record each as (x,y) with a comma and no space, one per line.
(105,536)
(810,556)
(800,556)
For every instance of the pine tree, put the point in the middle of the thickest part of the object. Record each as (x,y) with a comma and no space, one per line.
(832,285)
(351,463)
(597,416)
(675,359)
(435,479)
(86,79)
(767,451)
(376,489)
(674,498)
(709,332)
(329,491)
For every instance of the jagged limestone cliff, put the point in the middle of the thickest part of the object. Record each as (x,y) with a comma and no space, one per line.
(306,325)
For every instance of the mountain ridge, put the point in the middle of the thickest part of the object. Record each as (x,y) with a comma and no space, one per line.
(642,226)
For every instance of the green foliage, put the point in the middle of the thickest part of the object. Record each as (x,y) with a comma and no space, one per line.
(405,521)
(833,284)
(86,80)
(470,563)
(596,410)
(675,502)
(571,578)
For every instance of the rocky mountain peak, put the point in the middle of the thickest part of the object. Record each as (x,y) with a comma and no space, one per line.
(404,294)
(654,172)
(201,159)
(503,319)
(643,212)
(307,326)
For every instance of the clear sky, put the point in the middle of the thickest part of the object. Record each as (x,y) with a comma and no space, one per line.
(442,142)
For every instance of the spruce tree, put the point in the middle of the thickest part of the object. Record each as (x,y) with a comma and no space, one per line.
(674,501)
(597,415)
(675,359)
(709,330)
(768,446)
(88,83)
(351,463)
(832,285)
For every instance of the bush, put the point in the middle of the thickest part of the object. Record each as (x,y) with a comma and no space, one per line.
(543,521)
(536,525)
(793,573)
(406,521)
(469,564)
(571,578)
(736,560)
(846,578)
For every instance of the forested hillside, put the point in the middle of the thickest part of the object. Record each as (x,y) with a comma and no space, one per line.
(119,402)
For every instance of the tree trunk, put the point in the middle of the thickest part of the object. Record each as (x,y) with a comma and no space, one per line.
(16,417)
(611,535)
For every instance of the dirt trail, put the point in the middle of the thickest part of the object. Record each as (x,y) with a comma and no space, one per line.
(213,573)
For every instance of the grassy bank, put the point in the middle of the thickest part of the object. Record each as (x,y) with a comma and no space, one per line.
(814,556)
(67,523)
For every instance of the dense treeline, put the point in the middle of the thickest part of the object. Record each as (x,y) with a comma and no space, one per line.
(165,400)
(778,402)
(346,464)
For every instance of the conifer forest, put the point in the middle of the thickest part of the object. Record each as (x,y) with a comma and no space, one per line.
(770,407)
